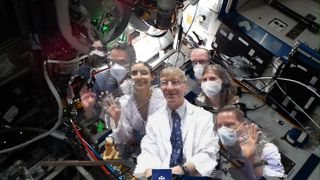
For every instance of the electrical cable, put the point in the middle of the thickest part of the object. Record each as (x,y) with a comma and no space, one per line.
(296,105)
(256,108)
(194,15)
(75,60)
(291,80)
(247,92)
(223,61)
(274,77)
(183,55)
(100,158)
(266,85)
(87,148)
(60,115)
(274,66)
(284,79)
(177,40)
(185,7)
(3,131)
(157,35)
(276,74)
(185,66)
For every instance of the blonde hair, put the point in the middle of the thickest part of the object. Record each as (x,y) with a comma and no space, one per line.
(173,72)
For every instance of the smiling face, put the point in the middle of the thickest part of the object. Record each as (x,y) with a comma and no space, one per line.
(173,86)
(141,76)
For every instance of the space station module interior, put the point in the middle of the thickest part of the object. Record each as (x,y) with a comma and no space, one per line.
(52,51)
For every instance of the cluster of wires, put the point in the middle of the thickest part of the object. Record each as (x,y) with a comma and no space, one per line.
(222,60)
(60,116)
(107,168)
(275,79)
(93,154)
(296,104)
(180,37)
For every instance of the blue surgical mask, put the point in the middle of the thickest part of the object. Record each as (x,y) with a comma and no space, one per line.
(228,136)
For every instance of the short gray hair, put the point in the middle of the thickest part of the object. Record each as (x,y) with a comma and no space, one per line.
(173,72)
(201,50)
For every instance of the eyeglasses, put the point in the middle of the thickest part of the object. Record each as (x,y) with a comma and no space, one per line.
(174,83)
(123,62)
(200,61)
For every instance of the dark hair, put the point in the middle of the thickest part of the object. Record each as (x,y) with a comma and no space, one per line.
(128,48)
(236,111)
(227,89)
(144,63)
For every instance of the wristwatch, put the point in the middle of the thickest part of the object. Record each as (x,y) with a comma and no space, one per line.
(185,170)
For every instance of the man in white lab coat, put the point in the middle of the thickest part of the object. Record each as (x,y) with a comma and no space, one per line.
(189,149)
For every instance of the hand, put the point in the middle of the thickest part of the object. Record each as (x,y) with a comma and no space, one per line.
(113,111)
(148,172)
(177,170)
(88,98)
(248,148)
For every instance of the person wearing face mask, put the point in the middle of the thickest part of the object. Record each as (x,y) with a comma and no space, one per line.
(121,56)
(179,135)
(111,80)
(131,116)
(199,58)
(217,89)
(242,143)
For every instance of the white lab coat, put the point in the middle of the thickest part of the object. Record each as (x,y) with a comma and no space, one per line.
(200,143)
(131,118)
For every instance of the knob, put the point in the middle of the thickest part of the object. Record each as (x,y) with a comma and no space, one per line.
(201,18)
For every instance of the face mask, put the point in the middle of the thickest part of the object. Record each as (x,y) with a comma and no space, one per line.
(97,52)
(211,88)
(228,136)
(198,70)
(119,72)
